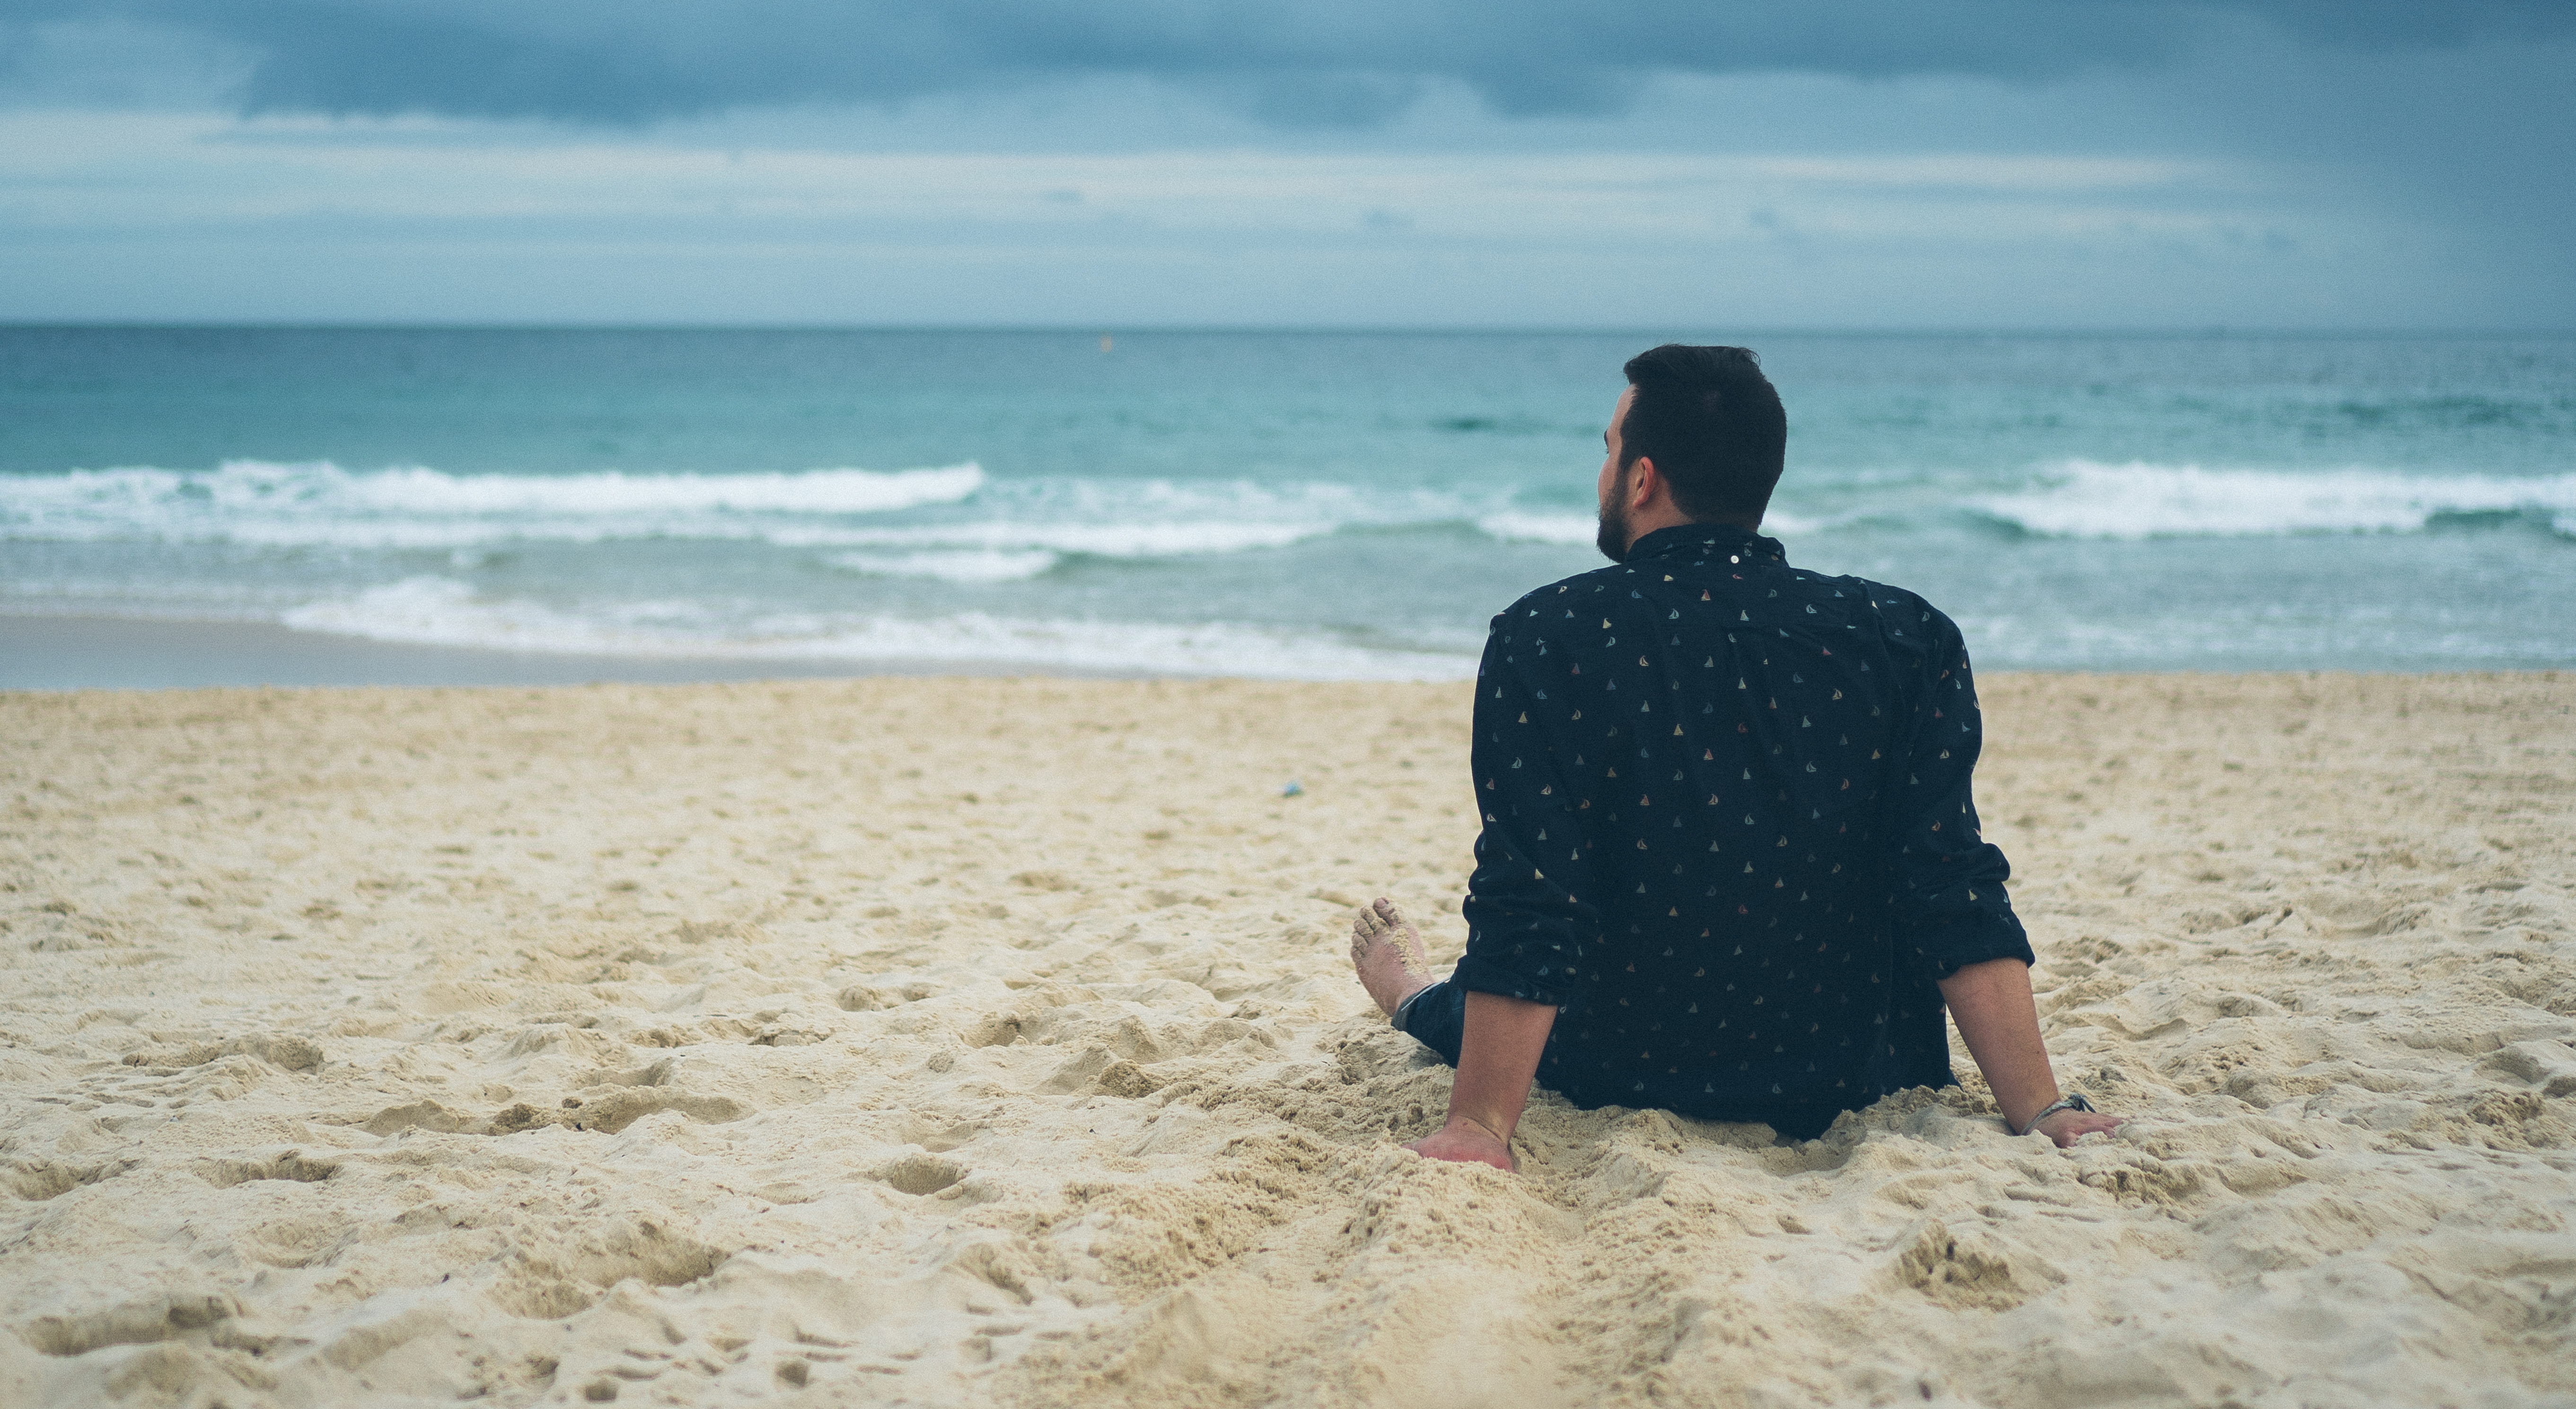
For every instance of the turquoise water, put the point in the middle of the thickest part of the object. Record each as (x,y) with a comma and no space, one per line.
(1302,505)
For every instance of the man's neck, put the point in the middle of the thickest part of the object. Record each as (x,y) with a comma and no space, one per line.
(1666,516)
(1654,518)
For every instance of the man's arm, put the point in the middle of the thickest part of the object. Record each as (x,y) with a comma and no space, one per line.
(1951,904)
(1950,908)
(1497,1060)
(1992,1005)
(1531,905)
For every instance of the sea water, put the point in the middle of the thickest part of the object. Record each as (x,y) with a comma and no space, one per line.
(1302,505)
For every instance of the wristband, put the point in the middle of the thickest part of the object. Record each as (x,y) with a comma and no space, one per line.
(2072,1101)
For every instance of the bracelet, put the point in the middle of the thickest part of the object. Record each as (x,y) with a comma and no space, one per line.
(2072,1101)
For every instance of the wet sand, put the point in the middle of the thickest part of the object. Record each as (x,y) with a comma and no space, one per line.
(124,653)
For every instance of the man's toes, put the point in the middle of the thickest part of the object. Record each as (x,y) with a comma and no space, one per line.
(1400,932)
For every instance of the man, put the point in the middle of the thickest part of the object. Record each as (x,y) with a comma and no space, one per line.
(1729,864)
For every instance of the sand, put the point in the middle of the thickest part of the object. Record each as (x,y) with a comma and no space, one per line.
(955,1042)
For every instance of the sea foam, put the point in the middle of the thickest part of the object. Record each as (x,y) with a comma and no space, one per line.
(1011,523)
(444,612)
(320,504)
(2090,499)
(967,565)
(1580,530)
(1106,540)
(1522,527)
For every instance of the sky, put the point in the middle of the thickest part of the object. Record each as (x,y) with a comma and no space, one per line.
(2014,164)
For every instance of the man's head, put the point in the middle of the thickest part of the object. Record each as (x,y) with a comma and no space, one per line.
(1698,437)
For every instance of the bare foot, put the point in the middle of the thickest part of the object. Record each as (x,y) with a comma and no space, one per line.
(1388,954)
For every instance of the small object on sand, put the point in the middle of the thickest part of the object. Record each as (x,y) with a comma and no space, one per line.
(1294,789)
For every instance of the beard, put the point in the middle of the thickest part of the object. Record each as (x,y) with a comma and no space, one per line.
(1614,539)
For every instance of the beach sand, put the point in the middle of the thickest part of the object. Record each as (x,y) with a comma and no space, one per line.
(954,1042)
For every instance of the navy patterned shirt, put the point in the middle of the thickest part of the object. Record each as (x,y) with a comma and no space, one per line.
(1727,831)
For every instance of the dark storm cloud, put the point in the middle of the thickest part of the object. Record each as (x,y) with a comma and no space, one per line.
(1319,62)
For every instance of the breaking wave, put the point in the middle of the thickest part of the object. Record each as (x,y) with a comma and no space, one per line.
(2089,499)
(319,504)
(950,522)
(443,612)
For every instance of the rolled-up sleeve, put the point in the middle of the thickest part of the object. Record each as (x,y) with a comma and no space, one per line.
(1949,905)
(1533,906)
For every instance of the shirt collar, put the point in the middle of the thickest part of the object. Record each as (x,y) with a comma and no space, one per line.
(1702,537)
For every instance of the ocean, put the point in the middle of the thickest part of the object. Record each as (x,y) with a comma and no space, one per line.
(1274,504)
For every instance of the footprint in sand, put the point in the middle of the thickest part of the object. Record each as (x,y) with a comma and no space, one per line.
(292,1165)
(919,1172)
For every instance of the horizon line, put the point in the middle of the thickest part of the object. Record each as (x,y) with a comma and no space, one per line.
(2173,331)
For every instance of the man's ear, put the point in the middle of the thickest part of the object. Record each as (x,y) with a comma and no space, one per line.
(1642,487)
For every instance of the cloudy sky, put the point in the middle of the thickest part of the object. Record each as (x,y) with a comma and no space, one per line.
(1123,163)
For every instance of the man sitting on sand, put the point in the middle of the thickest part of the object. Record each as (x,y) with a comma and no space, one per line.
(1729,864)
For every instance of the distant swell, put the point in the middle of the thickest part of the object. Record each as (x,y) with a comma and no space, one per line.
(443,612)
(2088,499)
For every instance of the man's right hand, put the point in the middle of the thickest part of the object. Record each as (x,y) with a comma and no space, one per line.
(2067,1127)
(1465,1142)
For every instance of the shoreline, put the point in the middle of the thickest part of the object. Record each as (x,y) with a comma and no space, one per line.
(70,654)
(56,654)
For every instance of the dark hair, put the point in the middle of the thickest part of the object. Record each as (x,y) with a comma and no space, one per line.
(1712,424)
